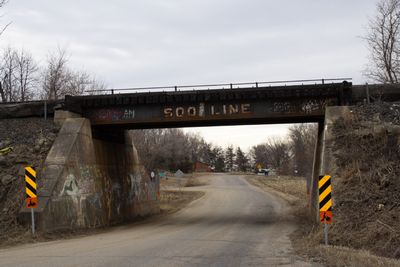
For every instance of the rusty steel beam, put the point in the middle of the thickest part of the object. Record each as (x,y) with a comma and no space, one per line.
(299,103)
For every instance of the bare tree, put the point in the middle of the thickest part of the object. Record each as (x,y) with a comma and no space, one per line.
(59,80)
(278,152)
(172,149)
(56,75)
(383,42)
(25,75)
(95,85)
(303,139)
(260,156)
(18,72)
(2,4)
(275,153)
(8,67)
(3,94)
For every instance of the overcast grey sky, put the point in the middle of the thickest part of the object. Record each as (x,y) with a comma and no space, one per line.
(175,42)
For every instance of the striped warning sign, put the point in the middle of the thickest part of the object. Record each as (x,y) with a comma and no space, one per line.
(31,187)
(325,198)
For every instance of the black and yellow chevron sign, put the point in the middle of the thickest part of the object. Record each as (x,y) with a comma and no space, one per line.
(325,198)
(31,187)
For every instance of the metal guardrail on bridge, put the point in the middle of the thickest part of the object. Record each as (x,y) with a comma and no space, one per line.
(220,86)
(198,87)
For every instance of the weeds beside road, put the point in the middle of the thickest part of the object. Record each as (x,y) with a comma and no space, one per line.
(174,198)
(172,201)
(308,238)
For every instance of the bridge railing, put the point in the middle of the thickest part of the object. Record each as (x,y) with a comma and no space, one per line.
(199,87)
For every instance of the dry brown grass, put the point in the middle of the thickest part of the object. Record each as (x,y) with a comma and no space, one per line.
(290,185)
(195,181)
(366,188)
(307,239)
(172,200)
(188,180)
(336,256)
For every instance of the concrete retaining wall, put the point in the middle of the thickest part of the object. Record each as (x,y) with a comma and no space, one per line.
(90,182)
(324,163)
(128,189)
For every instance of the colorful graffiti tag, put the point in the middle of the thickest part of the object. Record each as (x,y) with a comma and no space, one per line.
(113,114)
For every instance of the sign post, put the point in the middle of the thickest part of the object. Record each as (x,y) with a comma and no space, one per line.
(31,193)
(179,175)
(325,203)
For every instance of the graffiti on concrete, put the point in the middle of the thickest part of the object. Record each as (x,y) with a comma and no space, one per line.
(82,211)
(91,210)
(88,175)
(85,204)
(143,187)
(108,196)
(152,192)
(136,189)
(93,196)
(116,198)
(70,187)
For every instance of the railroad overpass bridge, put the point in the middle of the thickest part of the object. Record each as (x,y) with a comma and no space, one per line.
(93,176)
(246,104)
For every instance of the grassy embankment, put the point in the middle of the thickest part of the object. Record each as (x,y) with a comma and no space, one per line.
(308,238)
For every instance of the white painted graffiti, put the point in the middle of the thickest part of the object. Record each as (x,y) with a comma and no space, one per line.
(311,106)
(129,114)
(135,191)
(281,107)
(70,187)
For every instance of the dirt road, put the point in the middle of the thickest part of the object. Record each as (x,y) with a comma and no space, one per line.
(234,224)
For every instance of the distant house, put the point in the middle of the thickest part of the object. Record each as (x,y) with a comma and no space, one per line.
(201,167)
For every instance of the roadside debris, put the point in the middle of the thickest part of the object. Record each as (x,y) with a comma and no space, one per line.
(5,151)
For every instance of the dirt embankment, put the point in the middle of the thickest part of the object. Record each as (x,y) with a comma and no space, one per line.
(367,188)
(366,192)
(24,142)
(307,239)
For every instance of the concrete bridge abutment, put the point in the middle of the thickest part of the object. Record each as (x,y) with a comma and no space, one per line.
(92,180)
(324,162)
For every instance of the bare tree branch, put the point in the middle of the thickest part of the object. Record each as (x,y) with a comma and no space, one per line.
(383,42)
(59,80)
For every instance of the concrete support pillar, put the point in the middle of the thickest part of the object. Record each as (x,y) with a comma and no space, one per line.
(324,161)
(317,170)
(61,115)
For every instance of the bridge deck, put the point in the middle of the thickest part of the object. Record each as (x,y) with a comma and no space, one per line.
(281,104)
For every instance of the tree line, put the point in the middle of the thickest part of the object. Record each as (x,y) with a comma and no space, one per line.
(173,149)
(22,78)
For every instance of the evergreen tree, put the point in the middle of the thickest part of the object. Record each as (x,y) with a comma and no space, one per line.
(229,158)
(242,161)
(219,162)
